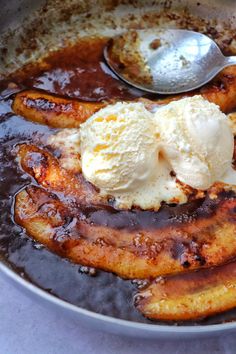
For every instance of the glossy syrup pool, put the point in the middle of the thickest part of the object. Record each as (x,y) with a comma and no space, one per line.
(80,72)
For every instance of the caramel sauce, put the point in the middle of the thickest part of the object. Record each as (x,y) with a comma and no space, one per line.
(77,71)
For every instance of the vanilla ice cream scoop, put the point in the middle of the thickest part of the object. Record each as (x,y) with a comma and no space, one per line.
(120,156)
(119,147)
(196,140)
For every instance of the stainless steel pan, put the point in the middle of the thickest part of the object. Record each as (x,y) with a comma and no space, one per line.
(29,29)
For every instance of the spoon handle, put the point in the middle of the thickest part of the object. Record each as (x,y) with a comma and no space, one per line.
(230,61)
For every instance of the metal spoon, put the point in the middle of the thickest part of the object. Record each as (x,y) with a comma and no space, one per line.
(165,61)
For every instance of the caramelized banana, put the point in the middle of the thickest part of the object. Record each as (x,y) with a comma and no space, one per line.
(48,221)
(160,243)
(222,90)
(57,112)
(190,296)
(45,169)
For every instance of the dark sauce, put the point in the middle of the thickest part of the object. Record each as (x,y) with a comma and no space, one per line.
(79,72)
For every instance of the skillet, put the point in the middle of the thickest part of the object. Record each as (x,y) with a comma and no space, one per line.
(29,31)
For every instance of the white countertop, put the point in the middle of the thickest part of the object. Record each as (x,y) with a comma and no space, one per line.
(26,328)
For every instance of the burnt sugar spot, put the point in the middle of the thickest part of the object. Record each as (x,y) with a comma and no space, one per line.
(43,104)
(187,252)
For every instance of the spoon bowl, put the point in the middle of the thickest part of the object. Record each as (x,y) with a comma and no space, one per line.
(165,61)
